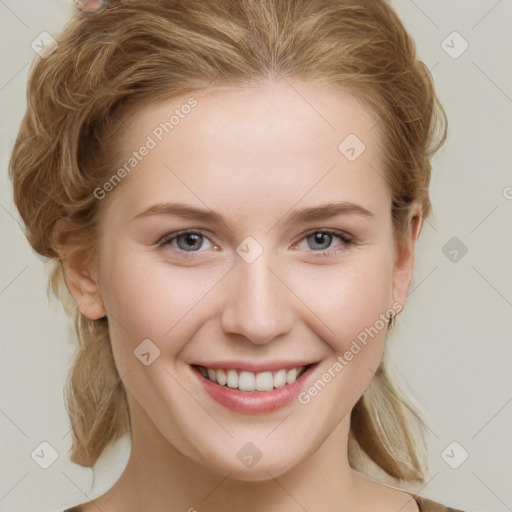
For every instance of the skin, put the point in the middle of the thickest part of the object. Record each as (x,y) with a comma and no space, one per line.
(90,6)
(253,155)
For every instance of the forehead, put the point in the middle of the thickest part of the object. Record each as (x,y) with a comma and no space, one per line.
(290,107)
(276,139)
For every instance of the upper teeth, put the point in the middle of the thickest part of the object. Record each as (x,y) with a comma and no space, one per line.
(250,381)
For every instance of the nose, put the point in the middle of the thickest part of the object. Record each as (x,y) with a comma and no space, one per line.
(258,302)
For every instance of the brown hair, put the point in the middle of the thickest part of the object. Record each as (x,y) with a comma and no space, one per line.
(137,52)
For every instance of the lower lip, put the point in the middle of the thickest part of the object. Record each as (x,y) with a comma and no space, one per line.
(254,402)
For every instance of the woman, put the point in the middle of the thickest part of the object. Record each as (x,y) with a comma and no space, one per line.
(232,192)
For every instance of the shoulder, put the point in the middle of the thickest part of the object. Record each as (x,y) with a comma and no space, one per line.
(426,505)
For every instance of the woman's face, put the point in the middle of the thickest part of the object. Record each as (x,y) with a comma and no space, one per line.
(291,262)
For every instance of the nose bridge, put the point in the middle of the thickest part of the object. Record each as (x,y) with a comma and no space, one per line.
(258,303)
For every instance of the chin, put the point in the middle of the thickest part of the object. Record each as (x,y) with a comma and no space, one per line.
(260,472)
(237,462)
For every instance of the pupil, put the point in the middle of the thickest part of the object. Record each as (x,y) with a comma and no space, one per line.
(319,237)
(192,241)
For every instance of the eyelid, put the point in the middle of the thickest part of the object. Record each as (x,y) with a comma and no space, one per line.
(175,234)
(337,232)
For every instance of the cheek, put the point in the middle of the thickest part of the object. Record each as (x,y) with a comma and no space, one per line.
(354,309)
(149,299)
(349,298)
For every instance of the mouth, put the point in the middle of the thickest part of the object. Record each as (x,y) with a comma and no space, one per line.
(250,392)
(248,381)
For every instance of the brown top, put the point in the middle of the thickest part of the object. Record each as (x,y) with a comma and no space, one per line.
(430,506)
(424,505)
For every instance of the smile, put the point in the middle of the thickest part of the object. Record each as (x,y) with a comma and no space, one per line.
(253,392)
(251,381)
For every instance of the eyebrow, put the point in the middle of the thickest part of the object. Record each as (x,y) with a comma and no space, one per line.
(313,213)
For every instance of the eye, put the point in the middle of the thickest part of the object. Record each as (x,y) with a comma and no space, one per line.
(187,241)
(320,240)
(190,242)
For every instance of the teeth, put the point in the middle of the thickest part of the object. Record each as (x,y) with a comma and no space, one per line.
(264,381)
(280,379)
(232,379)
(291,376)
(221,377)
(246,381)
(250,381)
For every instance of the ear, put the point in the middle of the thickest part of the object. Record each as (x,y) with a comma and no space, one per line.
(404,258)
(80,276)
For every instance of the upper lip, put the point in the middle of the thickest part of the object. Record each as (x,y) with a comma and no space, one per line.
(254,366)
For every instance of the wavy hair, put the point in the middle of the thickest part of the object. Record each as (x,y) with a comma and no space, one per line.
(137,52)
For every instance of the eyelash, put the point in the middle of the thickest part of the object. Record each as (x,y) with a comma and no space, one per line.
(344,237)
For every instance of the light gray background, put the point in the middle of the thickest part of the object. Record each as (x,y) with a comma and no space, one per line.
(452,345)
